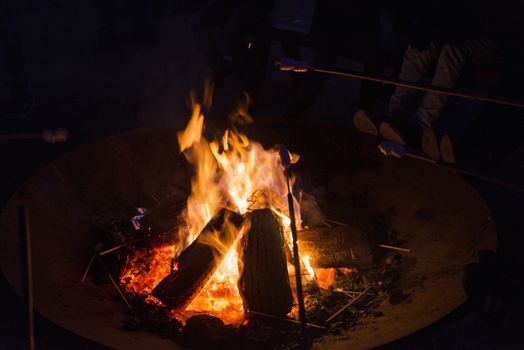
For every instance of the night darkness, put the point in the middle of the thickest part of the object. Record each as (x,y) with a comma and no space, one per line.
(442,79)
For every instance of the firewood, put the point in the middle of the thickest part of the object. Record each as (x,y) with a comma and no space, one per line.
(264,281)
(197,263)
(335,246)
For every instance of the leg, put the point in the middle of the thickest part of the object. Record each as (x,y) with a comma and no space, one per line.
(414,67)
(370,53)
(449,70)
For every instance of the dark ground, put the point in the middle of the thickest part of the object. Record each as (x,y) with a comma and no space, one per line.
(96,93)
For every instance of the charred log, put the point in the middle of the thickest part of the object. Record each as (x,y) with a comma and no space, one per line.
(264,281)
(336,246)
(197,263)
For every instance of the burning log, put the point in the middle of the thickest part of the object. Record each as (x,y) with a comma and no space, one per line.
(197,263)
(336,246)
(264,281)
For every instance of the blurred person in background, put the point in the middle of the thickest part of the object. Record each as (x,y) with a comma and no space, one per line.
(348,28)
(234,36)
(452,36)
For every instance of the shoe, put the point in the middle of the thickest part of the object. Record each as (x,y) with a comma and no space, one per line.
(364,123)
(430,145)
(447,151)
(391,132)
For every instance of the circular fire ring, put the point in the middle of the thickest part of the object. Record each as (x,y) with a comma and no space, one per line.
(437,215)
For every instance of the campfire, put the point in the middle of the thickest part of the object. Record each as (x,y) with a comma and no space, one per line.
(238,194)
(226,252)
(386,241)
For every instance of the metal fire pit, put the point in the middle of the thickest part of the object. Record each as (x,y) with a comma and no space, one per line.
(436,214)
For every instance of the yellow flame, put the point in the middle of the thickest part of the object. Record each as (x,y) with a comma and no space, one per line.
(193,130)
(228,172)
(232,172)
(308,267)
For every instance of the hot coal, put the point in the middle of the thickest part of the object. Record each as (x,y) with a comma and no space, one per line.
(349,252)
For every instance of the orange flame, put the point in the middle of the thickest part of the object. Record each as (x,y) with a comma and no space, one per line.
(326,277)
(231,172)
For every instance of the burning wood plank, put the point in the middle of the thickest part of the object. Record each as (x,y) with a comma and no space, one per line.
(264,281)
(336,246)
(197,263)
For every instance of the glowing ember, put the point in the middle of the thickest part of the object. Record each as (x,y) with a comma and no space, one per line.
(145,268)
(326,277)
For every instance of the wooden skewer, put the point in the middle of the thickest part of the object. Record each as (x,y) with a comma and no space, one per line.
(48,135)
(107,251)
(96,251)
(88,267)
(289,64)
(327,223)
(285,158)
(347,305)
(155,198)
(27,272)
(337,222)
(395,248)
(117,287)
(399,151)
(422,87)
(312,325)
(351,292)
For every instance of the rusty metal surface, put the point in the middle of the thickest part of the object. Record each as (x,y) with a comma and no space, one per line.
(436,214)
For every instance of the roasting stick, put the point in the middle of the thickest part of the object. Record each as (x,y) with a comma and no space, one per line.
(117,287)
(47,135)
(399,151)
(96,251)
(27,263)
(88,267)
(289,64)
(395,248)
(112,249)
(348,305)
(405,250)
(285,158)
(289,320)
(97,255)
(350,293)
(329,221)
